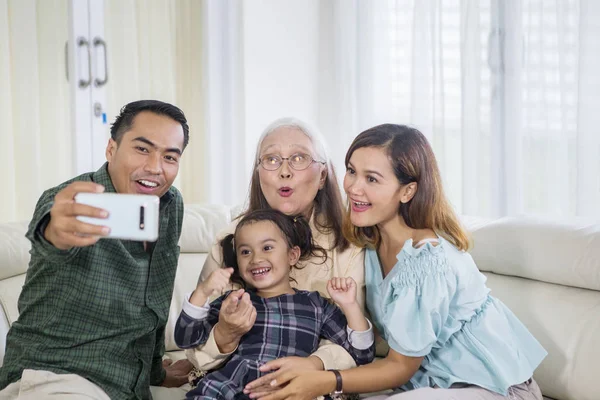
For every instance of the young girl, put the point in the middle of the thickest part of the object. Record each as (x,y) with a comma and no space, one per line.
(448,338)
(265,246)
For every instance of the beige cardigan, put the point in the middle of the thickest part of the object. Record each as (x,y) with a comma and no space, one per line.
(313,277)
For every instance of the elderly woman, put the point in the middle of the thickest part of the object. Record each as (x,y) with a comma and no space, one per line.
(292,174)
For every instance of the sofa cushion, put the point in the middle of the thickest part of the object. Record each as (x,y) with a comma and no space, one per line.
(562,252)
(201,223)
(14,249)
(10,289)
(565,321)
(186,278)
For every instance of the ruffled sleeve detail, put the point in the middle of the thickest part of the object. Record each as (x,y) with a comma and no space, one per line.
(419,303)
(415,266)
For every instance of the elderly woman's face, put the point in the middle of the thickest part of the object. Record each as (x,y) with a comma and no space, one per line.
(286,189)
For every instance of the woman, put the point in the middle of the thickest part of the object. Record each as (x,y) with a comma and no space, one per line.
(448,338)
(293,174)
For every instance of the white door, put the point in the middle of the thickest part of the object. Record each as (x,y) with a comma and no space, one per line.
(88,67)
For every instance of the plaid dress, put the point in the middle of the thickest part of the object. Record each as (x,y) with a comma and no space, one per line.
(286,325)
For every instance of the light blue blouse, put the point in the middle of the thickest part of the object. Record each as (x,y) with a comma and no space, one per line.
(435,303)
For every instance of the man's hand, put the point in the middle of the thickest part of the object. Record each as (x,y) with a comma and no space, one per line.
(291,363)
(64,230)
(236,318)
(177,373)
(216,282)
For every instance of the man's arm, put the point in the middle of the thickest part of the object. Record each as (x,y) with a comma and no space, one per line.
(165,372)
(54,230)
(157,372)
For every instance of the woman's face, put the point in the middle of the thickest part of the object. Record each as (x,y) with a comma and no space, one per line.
(288,190)
(374,192)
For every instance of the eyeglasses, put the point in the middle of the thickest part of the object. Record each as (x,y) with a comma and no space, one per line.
(297,161)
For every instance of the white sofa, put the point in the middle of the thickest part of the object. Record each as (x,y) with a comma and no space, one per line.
(547,272)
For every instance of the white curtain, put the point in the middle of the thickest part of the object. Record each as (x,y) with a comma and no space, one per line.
(504,91)
(35,134)
(185,52)
(507,92)
(155,52)
(558,80)
(227,143)
(188,53)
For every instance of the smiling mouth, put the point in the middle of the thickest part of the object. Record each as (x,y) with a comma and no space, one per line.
(147,184)
(360,206)
(260,271)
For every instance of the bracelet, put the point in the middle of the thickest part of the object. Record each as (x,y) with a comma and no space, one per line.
(338,381)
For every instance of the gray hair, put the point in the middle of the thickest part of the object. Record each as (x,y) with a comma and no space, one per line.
(315,136)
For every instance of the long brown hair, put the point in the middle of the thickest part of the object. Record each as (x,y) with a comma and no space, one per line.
(328,205)
(412,160)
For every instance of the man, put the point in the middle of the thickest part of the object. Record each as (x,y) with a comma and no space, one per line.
(93,312)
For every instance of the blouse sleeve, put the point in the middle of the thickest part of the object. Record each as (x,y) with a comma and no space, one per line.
(418,303)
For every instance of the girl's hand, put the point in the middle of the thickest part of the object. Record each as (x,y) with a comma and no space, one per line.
(216,282)
(342,291)
(236,318)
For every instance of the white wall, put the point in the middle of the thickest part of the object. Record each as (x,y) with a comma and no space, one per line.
(281,55)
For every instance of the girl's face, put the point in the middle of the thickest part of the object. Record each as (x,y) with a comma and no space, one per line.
(288,190)
(374,192)
(264,258)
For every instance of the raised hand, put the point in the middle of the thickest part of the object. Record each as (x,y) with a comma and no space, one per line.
(236,318)
(342,291)
(64,230)
(216,282)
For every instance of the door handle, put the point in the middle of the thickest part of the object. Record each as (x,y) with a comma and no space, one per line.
(100,42)
(83,42)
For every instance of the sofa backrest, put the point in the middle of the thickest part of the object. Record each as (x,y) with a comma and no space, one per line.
(14,260)
(547,272)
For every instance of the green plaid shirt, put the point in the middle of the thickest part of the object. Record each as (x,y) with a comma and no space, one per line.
(98,311)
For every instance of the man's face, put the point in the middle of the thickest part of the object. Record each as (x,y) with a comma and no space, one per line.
(146,160)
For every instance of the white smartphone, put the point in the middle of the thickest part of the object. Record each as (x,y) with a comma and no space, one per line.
(130,216)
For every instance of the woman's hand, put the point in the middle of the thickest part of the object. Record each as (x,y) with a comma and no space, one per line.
(291,363)
(297,385)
